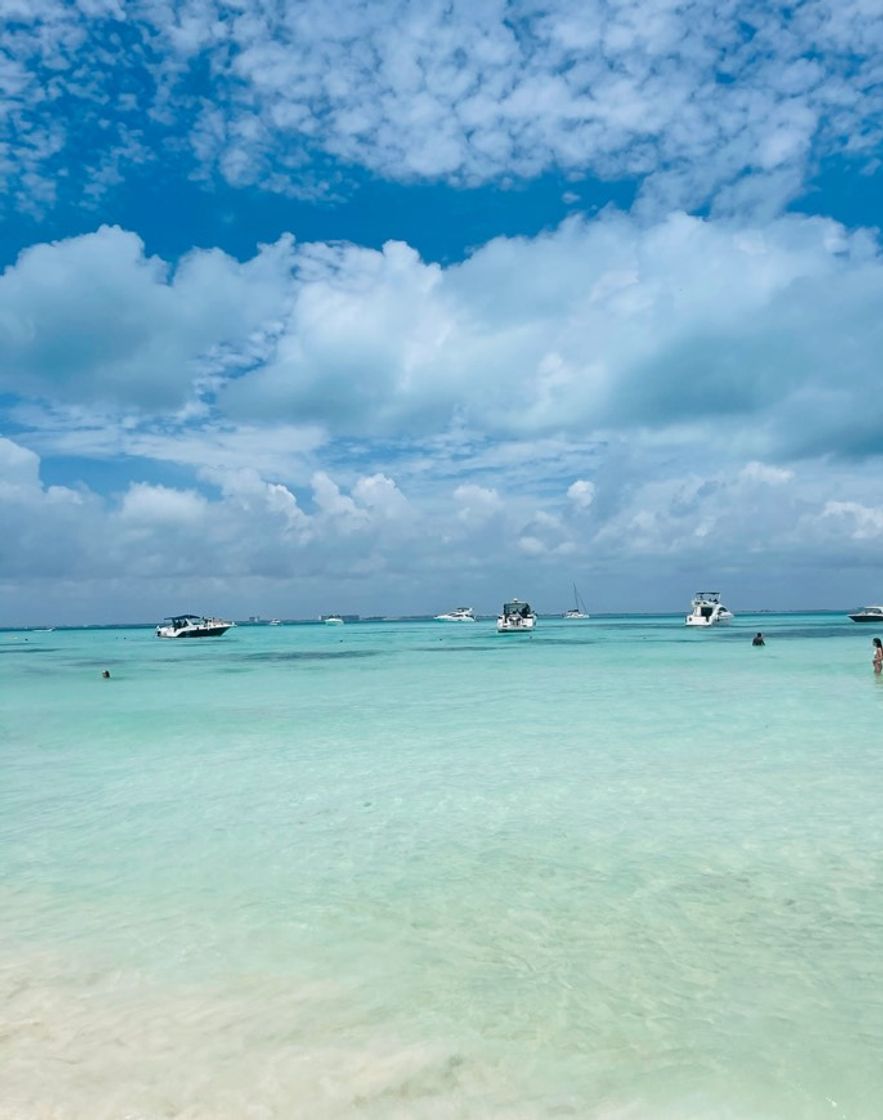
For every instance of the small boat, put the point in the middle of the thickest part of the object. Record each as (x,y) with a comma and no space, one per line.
(458,614)
(578,610)
(517,618)
(869,614)
(192,626)
(708,610)
(333,620)
(275,622)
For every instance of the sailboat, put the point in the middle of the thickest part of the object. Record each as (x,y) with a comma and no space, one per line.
(578,610)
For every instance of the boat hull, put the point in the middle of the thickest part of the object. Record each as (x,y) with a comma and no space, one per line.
(209,632)
(511,628)
(867,618)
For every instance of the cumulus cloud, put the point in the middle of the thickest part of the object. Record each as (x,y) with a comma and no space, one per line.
(765,332)
(581,493)
(598,325)
(243,534)
(161,506)
(699,392)
(477,503)
(859,521)
(93,318)
(762,472)
(697,100)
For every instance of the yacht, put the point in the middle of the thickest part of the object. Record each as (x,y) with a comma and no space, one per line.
(708,610)
(275,622)
(517,617)
(458,614)
(869,614)
(578,610)
(333,620)
(192,626)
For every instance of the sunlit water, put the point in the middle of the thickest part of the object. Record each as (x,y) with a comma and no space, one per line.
(617,869)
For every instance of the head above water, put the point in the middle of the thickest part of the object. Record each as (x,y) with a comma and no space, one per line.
(106,674)
(878,644)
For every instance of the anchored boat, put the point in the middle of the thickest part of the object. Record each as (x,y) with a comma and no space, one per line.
(708,610)
(869,614)
(578,610)
(516,618)
(458,614)
(192,626)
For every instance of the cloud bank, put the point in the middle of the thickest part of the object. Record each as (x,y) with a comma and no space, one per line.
(766,335)
(699,394)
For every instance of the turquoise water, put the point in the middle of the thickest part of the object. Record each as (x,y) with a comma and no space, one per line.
(614,870)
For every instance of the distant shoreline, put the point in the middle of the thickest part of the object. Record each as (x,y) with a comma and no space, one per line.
(245,624)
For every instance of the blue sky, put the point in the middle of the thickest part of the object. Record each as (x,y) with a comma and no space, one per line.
(380,307)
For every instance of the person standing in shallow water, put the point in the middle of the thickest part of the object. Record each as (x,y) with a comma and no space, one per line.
(757,640)
(878,656)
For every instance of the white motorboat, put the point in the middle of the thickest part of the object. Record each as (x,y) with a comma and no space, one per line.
(578,610)
(192,626)
(869,614)
(708,610)
(275,622)
(333,620)
(458,614)
(516,618)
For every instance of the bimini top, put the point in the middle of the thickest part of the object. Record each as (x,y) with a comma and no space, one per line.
(709,596)
(184,618)
(516,607)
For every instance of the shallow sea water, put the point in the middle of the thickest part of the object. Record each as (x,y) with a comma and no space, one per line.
(614,870)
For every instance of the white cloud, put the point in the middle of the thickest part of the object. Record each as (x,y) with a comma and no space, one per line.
(531,546)
(380,494)
(335,505)
(690,97)
(597,325)
(762,472)
(19,467)
(581,493)
(477,503)
(160,506)
(859,521)
(93,318)
(367,547)
(717,382)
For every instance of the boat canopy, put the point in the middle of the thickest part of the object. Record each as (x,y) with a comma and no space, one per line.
(183,617)
(709,596)
(516,607)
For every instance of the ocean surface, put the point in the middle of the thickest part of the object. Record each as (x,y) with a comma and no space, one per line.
(617,870)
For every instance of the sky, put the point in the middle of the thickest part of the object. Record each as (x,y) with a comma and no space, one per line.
(313,306)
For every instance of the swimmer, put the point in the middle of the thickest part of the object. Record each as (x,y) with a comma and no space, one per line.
(757,640)
(878,656)
(106,674)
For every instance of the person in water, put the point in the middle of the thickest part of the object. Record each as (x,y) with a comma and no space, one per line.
(106,674)
(878,656)
(757,640)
